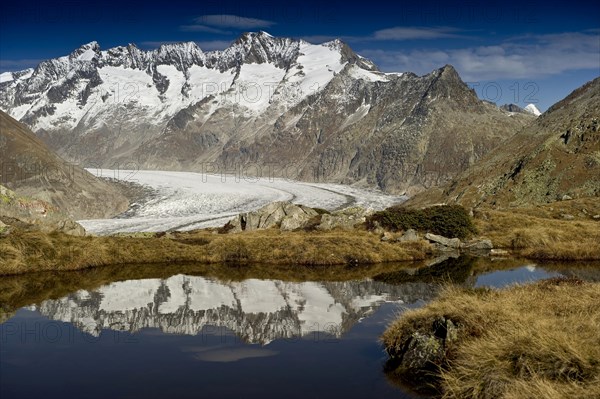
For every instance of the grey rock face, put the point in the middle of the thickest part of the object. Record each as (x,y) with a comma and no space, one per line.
(387,237)
(345,219)
(478,245)
(512,108)
(70,227)
(446,242)
(424,351)
(409,236)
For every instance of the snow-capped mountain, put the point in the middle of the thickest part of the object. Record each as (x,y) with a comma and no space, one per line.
(532,109)
(258,311)
(77,89)
(321,109)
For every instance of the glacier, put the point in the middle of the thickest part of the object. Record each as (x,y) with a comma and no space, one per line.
(189,200)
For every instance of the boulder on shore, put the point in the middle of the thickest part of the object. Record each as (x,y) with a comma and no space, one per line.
(446,242)
(478,245)
(53,224)
(419,354)
(69,227)
(283,214)
(409,236)
(345,219)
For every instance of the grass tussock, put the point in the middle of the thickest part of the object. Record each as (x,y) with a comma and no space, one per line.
(539,234)
(533,341)
(23,251)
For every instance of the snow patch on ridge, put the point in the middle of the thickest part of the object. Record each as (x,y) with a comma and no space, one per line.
(6,77)
(363,74)
(532,109)
(316,66)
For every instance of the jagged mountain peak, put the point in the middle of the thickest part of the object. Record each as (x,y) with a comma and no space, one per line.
(86,52)
(448,72)
(348,55)
(93,45)
(447,83)
(258,48)
(261,34)
(189,46)
(181,55)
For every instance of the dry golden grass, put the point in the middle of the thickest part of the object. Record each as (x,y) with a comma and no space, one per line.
(541,233)
(22,251)
(533,341)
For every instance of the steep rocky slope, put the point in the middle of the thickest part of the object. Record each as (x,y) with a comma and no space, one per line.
(556,157)
(33,171)
(313,112)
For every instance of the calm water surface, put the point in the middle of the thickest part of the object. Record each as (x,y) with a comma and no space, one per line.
(197,336)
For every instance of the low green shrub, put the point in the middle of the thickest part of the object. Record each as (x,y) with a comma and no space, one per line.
(446,220)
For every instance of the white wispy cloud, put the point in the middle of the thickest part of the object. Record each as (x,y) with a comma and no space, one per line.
(398,33)
(520,57)
(233,21)
(416,33)
(218,23)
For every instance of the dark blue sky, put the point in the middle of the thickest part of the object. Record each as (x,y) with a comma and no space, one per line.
(525,51)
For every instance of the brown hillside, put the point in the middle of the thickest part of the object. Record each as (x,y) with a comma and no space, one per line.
(32,170)
(556,157)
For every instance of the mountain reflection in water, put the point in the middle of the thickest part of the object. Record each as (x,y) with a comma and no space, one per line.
(258,311)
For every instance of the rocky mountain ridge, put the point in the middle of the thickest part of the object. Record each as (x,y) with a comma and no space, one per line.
(315,112)
(555,158)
